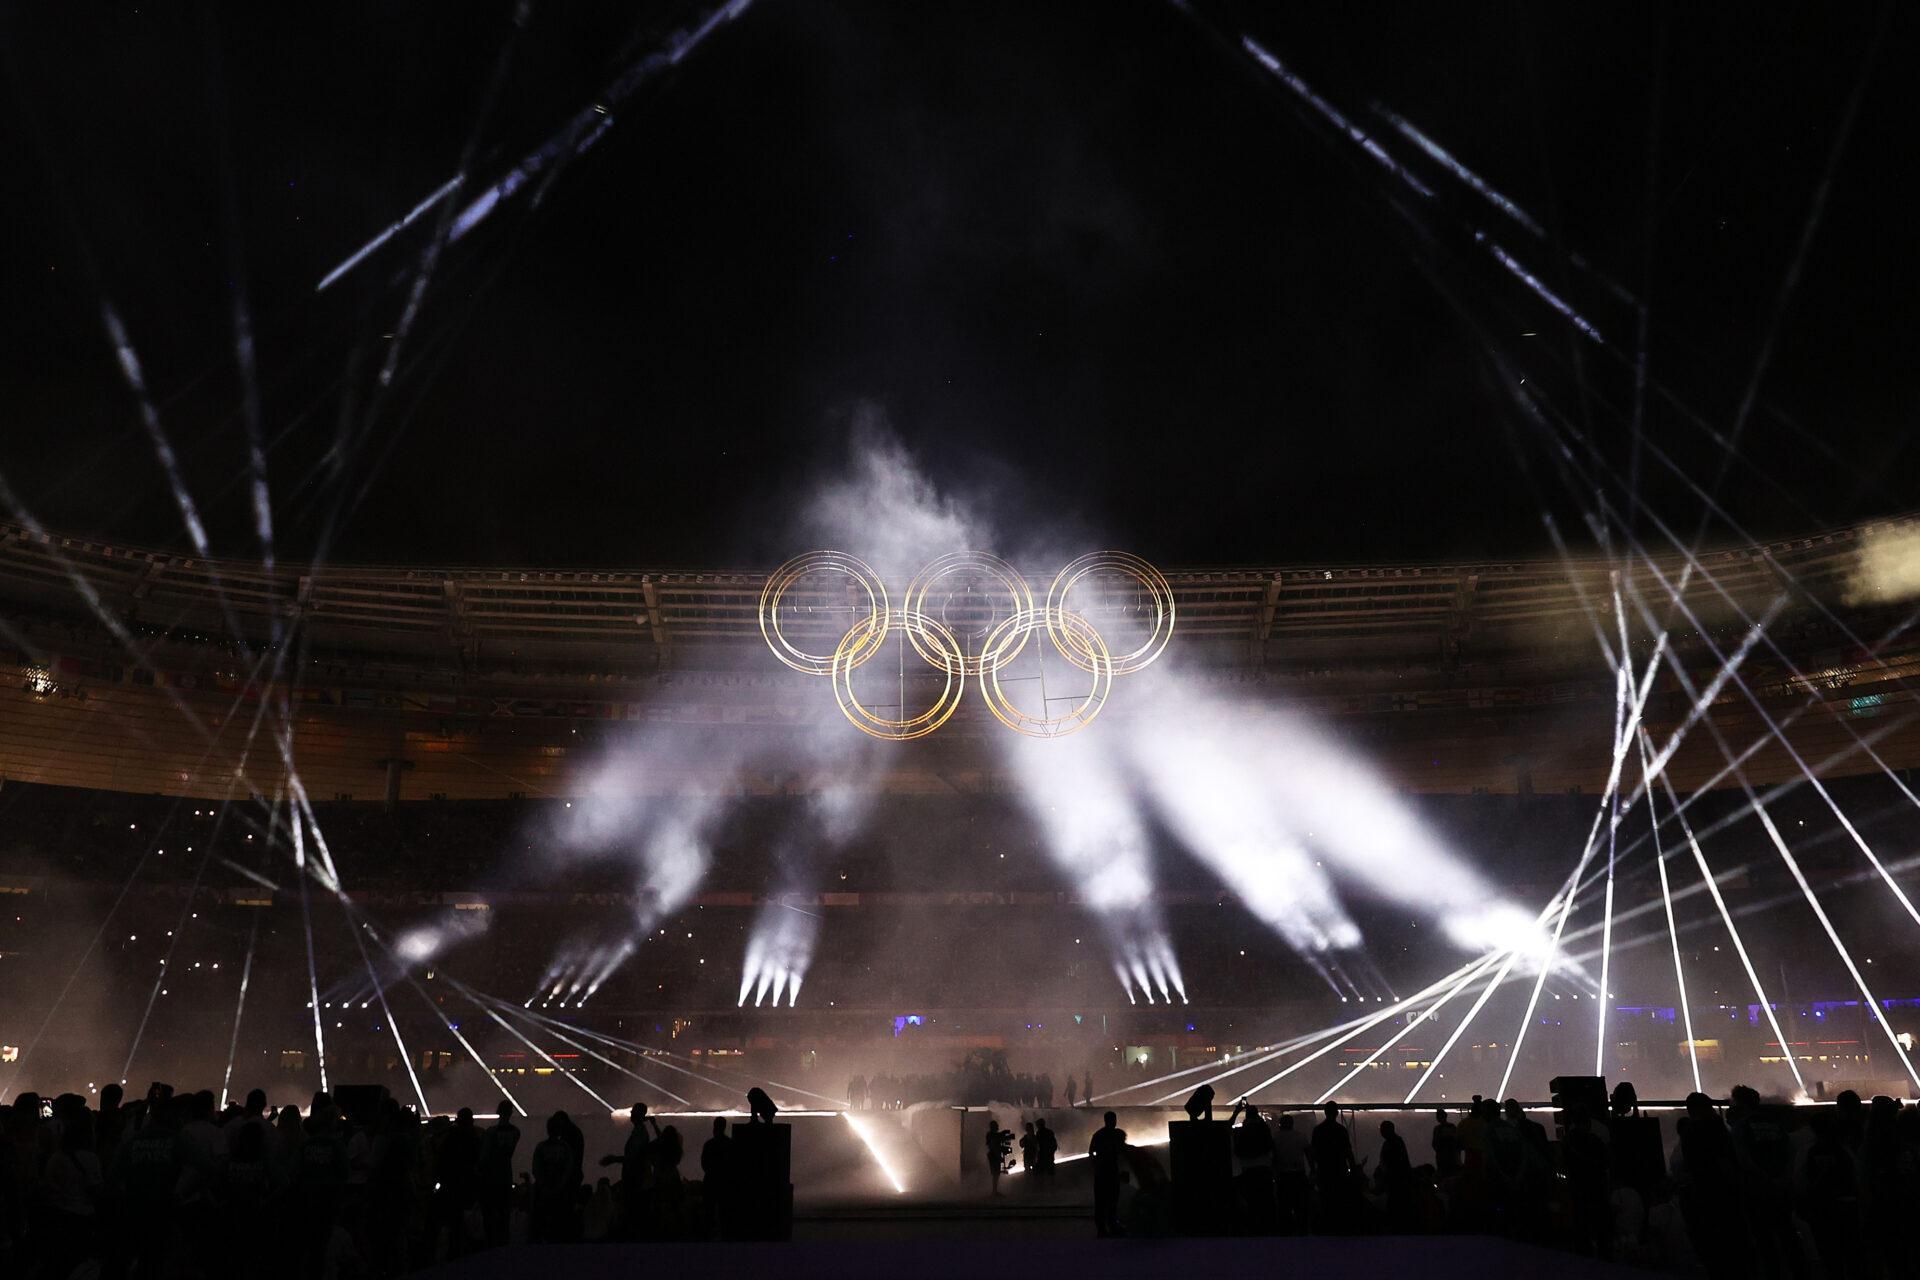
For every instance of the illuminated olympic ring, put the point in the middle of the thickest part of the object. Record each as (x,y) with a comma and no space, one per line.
(1085,640)
(1069,632)
(959,562)
(783,578)
(1082,656)
(923,632)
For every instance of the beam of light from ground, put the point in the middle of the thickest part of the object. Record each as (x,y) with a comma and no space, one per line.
(1793,753)
(355,927)
(1431,1012)
(1692,562)
(1335,1037)
(1621,675)
(149,415)
(1150,1142)
(239,1007)
(1631,723)
(575,138)
(466,1044)
(658,1057)
(515,1011)
(1775,729)
(1740,814)
(313,973)
(1505,967)
(1260,1057)
(859,1127)
(1334,116)
(1262,1053)
(380,994)
(1524,274)
(1094,834)
(1444,158)
(430,258)
(1673,932)
(114,627)
(425,997)
(1826,924)
(129,362)
(546,1057)
(393,229)
(1733,932)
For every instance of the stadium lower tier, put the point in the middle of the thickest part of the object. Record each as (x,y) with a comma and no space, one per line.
(145,937)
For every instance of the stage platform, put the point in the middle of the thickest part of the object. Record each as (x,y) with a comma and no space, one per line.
(990,1245)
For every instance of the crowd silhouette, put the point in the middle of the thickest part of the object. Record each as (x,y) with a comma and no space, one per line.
(1745,1189)
(982,1078)
(360,1186)
(173,1185)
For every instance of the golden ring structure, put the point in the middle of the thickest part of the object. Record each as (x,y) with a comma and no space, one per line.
(978,563)
(1069,632)
(772,619)
(925,633)
(1071,645)
(1056,622)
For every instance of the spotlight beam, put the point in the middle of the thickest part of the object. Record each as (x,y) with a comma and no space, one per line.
(1334,1037)
(527,1016)
(240,1005)
(658,1058)
(583,1086)
(1733,932)
(313,975)
(1673,933)
(873,1149)
(1630,723)
(1799,761)
(1431,1012)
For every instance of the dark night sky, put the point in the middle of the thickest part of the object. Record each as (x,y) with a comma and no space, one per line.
(1089,260)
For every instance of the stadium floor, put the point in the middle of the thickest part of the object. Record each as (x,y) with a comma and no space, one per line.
(1023,1246)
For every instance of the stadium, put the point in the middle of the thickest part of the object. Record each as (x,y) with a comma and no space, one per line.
(393,728)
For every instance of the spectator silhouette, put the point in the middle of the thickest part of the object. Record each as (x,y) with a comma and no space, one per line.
(1830,1198)
(456,1173)
(1393,1178)
(495,1174)
(1706,1173)
(1291,1175)
(1253,1150)
(716,1177)
(999,1149)
(1048,1147)
(1333,1170)
(1764,1157)
(1446,1146)
(1109,1141)
(556,1183)
(1070,1090)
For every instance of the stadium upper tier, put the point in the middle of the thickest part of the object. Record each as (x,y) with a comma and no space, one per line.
(1292,616)
(493,683)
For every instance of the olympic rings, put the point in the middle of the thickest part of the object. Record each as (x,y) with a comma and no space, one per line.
(918,626)
(959,562)
(1056,622)
(1133,567)
(781,579)
(1069,632)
